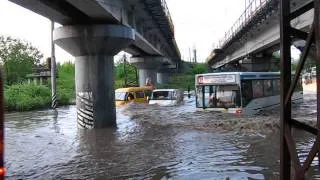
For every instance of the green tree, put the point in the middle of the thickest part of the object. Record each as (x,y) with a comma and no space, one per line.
(120,70)
(17,58)
(199,68)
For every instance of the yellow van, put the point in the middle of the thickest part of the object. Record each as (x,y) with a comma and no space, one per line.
(132,94)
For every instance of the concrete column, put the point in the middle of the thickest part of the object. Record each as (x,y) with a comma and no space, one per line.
(147,67)
(35,80)
(144,74)
(94,47)
(41,80)
(95,91)
(257,64)
(162,77)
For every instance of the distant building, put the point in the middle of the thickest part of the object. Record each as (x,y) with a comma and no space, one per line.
(40,73)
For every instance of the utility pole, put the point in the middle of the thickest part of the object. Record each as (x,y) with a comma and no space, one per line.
(53,71)
(190,55)
(194,55)
(245,8)
(125,70)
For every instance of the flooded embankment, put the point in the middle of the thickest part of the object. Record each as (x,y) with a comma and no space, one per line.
(150,142)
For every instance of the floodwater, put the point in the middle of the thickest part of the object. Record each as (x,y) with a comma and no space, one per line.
(150,142)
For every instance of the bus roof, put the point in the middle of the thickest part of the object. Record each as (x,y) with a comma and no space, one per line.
(241,73)
(234,77)
(133,89)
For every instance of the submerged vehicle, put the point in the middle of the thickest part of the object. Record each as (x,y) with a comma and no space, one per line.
(240,92)
(132,94)
(166,97)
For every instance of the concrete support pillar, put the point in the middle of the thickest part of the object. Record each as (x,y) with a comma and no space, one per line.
(257,64)
(35,80)
(41,80)
(94,47)
(95,91)
(163,76)
(147,67)
(145,74)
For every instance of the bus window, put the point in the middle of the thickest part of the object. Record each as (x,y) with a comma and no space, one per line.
(257,88)
(267,88)
(130,96)
(140,94)
(246,92)
(228,96)
(276,86)
(120,96)
(212,98)
(161,95)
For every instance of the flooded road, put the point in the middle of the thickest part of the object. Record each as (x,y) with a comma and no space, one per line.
(150,142)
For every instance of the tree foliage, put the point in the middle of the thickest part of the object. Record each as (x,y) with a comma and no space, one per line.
(121,72)
(199,68)
(17,58)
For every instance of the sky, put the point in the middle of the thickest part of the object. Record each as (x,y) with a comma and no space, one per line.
(198,24)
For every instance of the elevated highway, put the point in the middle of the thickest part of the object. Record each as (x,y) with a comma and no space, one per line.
(256,35)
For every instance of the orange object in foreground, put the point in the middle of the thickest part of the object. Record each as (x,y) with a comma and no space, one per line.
(2,172)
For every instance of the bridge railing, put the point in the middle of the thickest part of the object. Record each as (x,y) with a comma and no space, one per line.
(251,10)
(166,11)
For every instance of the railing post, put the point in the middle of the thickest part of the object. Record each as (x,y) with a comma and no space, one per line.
(285,77)
(317,40)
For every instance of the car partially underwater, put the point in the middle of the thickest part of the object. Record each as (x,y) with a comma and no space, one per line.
(166,97)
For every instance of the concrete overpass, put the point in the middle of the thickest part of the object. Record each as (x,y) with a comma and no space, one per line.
(256,35)
(94,31)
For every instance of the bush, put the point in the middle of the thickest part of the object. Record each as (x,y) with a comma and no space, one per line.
(199,68)
(24,97)
(186,79)
(66,83)
(181,81)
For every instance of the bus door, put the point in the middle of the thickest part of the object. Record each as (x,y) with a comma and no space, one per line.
(199,96)
(205,95)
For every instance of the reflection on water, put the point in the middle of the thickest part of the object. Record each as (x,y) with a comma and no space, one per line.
(152,145)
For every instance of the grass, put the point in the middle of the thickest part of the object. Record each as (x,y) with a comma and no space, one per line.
(25,97)
(66,84)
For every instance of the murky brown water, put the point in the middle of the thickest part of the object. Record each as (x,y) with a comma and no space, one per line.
(150,142)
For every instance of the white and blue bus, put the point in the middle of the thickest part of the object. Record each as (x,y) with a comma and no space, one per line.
(240,92)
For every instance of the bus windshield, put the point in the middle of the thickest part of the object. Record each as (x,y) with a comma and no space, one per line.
(218,96)
(162,95)
(120,96)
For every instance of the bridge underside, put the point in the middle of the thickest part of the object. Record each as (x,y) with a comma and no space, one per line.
(262,63)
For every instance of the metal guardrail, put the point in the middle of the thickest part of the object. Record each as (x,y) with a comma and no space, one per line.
(166,11)
(251,10)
